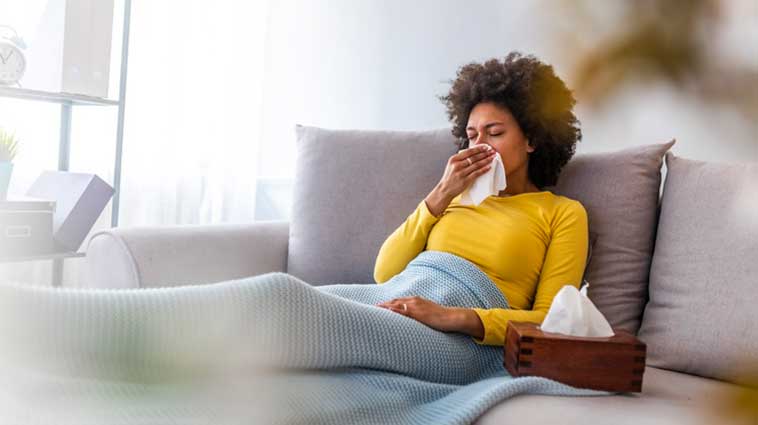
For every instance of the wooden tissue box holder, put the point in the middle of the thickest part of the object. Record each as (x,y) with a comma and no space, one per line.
(615,363)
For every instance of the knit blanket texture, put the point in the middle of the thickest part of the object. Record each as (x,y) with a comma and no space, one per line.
(268,349)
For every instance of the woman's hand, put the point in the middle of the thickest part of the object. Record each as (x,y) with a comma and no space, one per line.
(462,169)
(445,319)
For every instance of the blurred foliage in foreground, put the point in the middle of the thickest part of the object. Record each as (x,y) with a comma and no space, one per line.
(706,48)
(738,405)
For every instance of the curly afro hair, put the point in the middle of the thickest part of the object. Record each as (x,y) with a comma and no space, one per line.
(538,100)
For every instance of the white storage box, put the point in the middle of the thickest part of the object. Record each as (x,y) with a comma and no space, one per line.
(26,227)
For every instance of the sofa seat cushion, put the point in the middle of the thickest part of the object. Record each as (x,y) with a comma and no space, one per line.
(667,397)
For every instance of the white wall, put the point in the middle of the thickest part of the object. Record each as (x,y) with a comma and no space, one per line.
(381,64)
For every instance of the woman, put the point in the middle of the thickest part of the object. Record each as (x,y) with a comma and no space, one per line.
(529,241)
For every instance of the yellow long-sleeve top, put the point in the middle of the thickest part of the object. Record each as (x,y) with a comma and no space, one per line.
(530,245)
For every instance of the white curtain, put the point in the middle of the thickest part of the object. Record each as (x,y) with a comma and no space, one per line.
(193,111)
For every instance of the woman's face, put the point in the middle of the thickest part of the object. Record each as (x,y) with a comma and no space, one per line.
(494,125)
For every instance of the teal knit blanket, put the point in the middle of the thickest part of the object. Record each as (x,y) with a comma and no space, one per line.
(265,349)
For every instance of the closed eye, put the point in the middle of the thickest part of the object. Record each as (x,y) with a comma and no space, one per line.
(472,137)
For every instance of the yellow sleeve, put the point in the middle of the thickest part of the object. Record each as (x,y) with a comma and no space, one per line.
(404,244)
(564,264)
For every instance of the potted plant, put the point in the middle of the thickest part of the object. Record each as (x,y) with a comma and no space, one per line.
(8,149)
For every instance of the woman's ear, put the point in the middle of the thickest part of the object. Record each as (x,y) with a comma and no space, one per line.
(529,147)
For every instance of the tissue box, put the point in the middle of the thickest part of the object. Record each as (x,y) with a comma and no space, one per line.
(615,363)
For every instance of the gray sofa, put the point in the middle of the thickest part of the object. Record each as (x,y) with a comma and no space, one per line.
(673,262)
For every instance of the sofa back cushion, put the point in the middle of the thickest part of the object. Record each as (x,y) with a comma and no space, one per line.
(702,317)
(352,189)
(620,192)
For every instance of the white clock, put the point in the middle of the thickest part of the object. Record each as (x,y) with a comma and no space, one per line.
(12,59)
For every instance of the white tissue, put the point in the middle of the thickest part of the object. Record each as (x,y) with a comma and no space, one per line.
(489,183)
(573,313)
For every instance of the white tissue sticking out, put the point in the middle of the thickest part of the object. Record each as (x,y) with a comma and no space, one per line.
(489,183)
(573,313)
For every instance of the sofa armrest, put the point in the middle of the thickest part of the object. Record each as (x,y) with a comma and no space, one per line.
(145,257)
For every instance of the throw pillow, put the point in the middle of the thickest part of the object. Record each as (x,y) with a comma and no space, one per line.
(703,311)
(620,191)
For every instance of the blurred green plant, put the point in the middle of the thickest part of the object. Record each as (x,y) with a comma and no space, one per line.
(8,146)
(681,42)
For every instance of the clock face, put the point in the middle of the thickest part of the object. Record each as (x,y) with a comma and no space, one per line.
(12,63)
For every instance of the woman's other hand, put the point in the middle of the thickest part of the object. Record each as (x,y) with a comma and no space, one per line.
(462,169)
(445,319)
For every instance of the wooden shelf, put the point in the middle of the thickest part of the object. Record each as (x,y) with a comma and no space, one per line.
(63,98)
(42,257)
